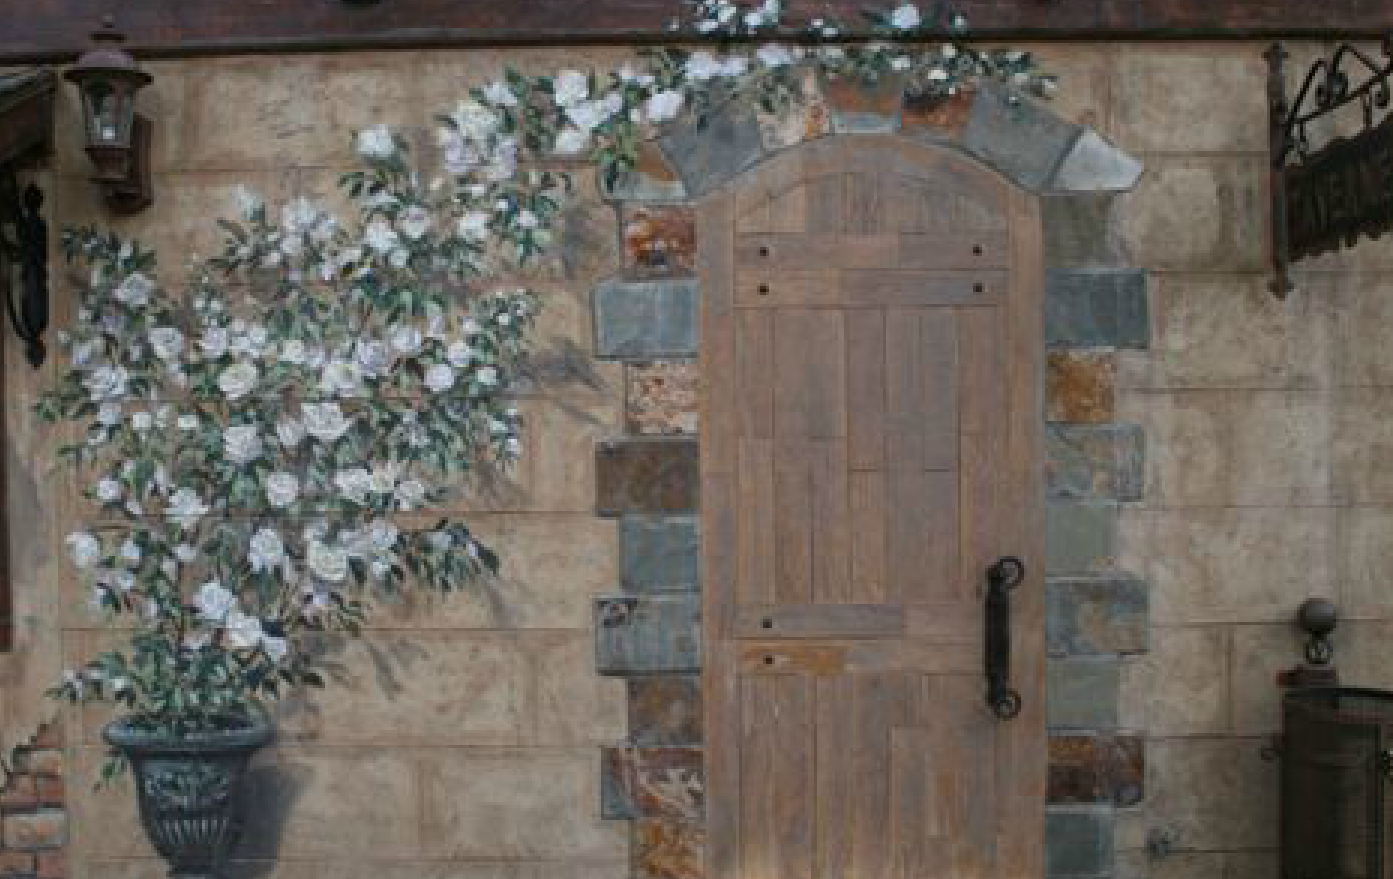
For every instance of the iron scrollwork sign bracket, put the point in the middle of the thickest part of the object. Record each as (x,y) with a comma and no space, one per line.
(1326,199)
(1002,577)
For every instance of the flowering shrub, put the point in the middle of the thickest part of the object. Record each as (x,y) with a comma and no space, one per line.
(258,437)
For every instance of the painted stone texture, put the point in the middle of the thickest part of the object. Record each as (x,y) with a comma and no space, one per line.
(648,634)
(665,710)
(646,782)
(663,398)
(659,240)
(1079,386)
(1096,769)
(647,476)
(668,850)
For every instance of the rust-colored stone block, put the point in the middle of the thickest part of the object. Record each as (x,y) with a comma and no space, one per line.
(663,398)
(1080,387)
(860,108)
(665,710)
(669,850)
(1096,769)
(53,865)
(647,476)
(938,116)
(14,865)
(659,241)
(653,783)
(21,795)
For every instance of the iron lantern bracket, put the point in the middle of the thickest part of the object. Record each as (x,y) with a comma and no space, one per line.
(24,243)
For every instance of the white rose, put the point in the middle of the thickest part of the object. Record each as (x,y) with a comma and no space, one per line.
(572,86)
(188,422)
(290,432)
(410,494)
(109,490)
(406,340)
(86,549)
(266,551)
(664,105)
(340,377)
(376,143)
(247,201)
(135,290)
(326,562)
(905,17)
(571,141)
(476,122)
(735,65)
(185,553)
(238,380)
(380,236)
(214,602)
(276,648)
(109,414)
(702,66)
(281,489)
(497,92)
(459,354)
(186,507)
(130,552)
(142,420)
(440,377)
(949,51)
(325,421)
(384,478)
(373,357)
(487,376)
(900,62)
(106,382)
(293,352)
(242,444)
(774,55)
(214,342)
(354,484)
(243,630)
(382,536)
(167,342)
(414,222)
(588,115)
(474,226)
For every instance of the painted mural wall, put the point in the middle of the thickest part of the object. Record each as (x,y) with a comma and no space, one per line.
(465,741)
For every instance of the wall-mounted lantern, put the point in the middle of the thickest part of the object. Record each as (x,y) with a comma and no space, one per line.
(118,138)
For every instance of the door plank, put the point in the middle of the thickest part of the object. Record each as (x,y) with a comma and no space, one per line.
(831,524)
(755,370)
(938,344)
(762,287)
(818,621)
(865,341)
(869,542)
(836,777)
(757,544)
(774,658)
(974,250)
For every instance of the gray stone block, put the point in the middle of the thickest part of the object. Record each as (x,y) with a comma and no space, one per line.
(1020,139)
(1082,230)
(709,151)
(1096,616)
(1090,462)
(637,186)
(1078,843)
(1096,308)
(1080,538)
(650,634)
(1082,693)
(1094,165)
(647,319)
(660,553)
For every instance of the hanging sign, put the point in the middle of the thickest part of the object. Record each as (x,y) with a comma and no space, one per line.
(1340,193)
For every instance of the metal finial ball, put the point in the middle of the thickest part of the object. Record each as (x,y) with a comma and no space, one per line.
(1317,617)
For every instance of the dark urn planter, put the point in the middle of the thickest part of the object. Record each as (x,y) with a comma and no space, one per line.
(191,791)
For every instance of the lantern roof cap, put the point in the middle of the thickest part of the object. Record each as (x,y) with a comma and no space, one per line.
(107,56)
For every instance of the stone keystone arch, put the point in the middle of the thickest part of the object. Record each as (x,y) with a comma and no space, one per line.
(1095,305)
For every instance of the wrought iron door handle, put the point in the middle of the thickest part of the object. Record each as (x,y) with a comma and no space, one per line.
(1003,576)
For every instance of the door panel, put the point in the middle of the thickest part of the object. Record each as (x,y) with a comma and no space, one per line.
(870,370)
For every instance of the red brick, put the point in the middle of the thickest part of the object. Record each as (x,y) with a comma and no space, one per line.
(50,736)
(46,829)
(39,761)
(51,791)
(21,795)
(53,865)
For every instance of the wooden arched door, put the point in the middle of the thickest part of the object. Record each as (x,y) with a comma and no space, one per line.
(871,368)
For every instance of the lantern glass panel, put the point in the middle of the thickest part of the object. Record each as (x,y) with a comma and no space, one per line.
(109,113)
